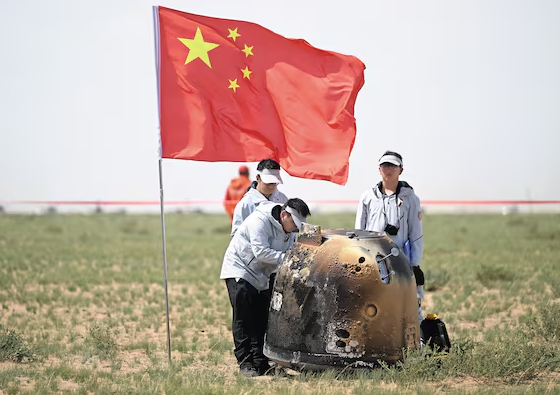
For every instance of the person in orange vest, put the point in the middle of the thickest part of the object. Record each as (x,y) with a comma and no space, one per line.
(235,190)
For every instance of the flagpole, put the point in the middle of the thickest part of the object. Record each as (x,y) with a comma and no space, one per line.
(161,204)
(164,258)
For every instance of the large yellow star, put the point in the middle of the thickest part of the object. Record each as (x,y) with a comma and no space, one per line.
(198,48)
(248,50)
(233,85)
(246,73)
(233,34)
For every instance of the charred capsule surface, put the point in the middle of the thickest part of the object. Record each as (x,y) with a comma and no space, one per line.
(342,297)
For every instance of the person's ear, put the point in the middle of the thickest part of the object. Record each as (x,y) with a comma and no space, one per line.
(401,171)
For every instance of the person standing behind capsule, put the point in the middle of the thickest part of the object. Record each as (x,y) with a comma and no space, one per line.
(265,190)
(236,190)
(393,207)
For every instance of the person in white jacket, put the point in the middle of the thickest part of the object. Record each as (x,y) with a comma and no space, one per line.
(255,252)
(393,207)
(263,190)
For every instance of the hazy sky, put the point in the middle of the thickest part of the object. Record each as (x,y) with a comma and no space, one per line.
(467,91)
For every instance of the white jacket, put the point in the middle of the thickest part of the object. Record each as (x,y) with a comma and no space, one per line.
(401,209)
(375,210)
(250,202)
(257,249)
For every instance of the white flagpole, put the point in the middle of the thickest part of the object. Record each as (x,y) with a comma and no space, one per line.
(161,205)
(164,259)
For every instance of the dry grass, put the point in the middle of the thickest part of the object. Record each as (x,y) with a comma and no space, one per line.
(86,293)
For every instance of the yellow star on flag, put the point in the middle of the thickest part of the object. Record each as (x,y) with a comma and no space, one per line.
(246,73)
(198,48)
(233,85)
(248,50)
(233,34)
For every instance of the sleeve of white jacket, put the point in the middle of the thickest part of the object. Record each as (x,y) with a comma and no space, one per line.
(258,236)
(361,214)
(415,235)
(241,211)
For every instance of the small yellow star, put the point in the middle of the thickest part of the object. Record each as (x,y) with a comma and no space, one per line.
(233,85)
(198,48)
(233,34)
(246,73)
(248,50)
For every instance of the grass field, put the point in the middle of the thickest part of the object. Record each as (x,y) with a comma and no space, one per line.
(82,308)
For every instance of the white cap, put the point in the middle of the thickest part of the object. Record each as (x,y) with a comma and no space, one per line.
(395,160)
(270,176)
(296,216)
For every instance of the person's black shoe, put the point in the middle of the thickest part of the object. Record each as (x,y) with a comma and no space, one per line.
(264,369)
(248,371)
(268,369)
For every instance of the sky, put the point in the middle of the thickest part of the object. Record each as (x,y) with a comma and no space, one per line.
(467,91)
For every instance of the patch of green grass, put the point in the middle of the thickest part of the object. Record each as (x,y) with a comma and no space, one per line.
(545,322)
(13,346)
(102,341)
(436,279)
(490,275)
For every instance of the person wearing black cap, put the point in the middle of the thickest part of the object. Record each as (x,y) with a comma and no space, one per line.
(256,251)
(392,207)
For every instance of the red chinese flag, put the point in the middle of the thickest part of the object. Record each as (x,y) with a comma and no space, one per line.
(235,91)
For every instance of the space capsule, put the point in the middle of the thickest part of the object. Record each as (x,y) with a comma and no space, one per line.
(342,297)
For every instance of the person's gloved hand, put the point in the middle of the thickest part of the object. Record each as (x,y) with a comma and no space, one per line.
(419,274)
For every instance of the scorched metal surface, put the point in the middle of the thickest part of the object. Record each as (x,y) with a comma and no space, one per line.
(342,297)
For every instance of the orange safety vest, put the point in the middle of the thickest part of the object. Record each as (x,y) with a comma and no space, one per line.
(234,192)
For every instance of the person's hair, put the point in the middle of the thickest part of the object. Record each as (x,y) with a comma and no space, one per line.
(253,185)
(299,205)
(270,164)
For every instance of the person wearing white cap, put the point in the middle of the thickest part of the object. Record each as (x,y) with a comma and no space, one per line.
(263,190)
(256,251)
(393,207)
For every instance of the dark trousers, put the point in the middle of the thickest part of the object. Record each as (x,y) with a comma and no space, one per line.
(250,318)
